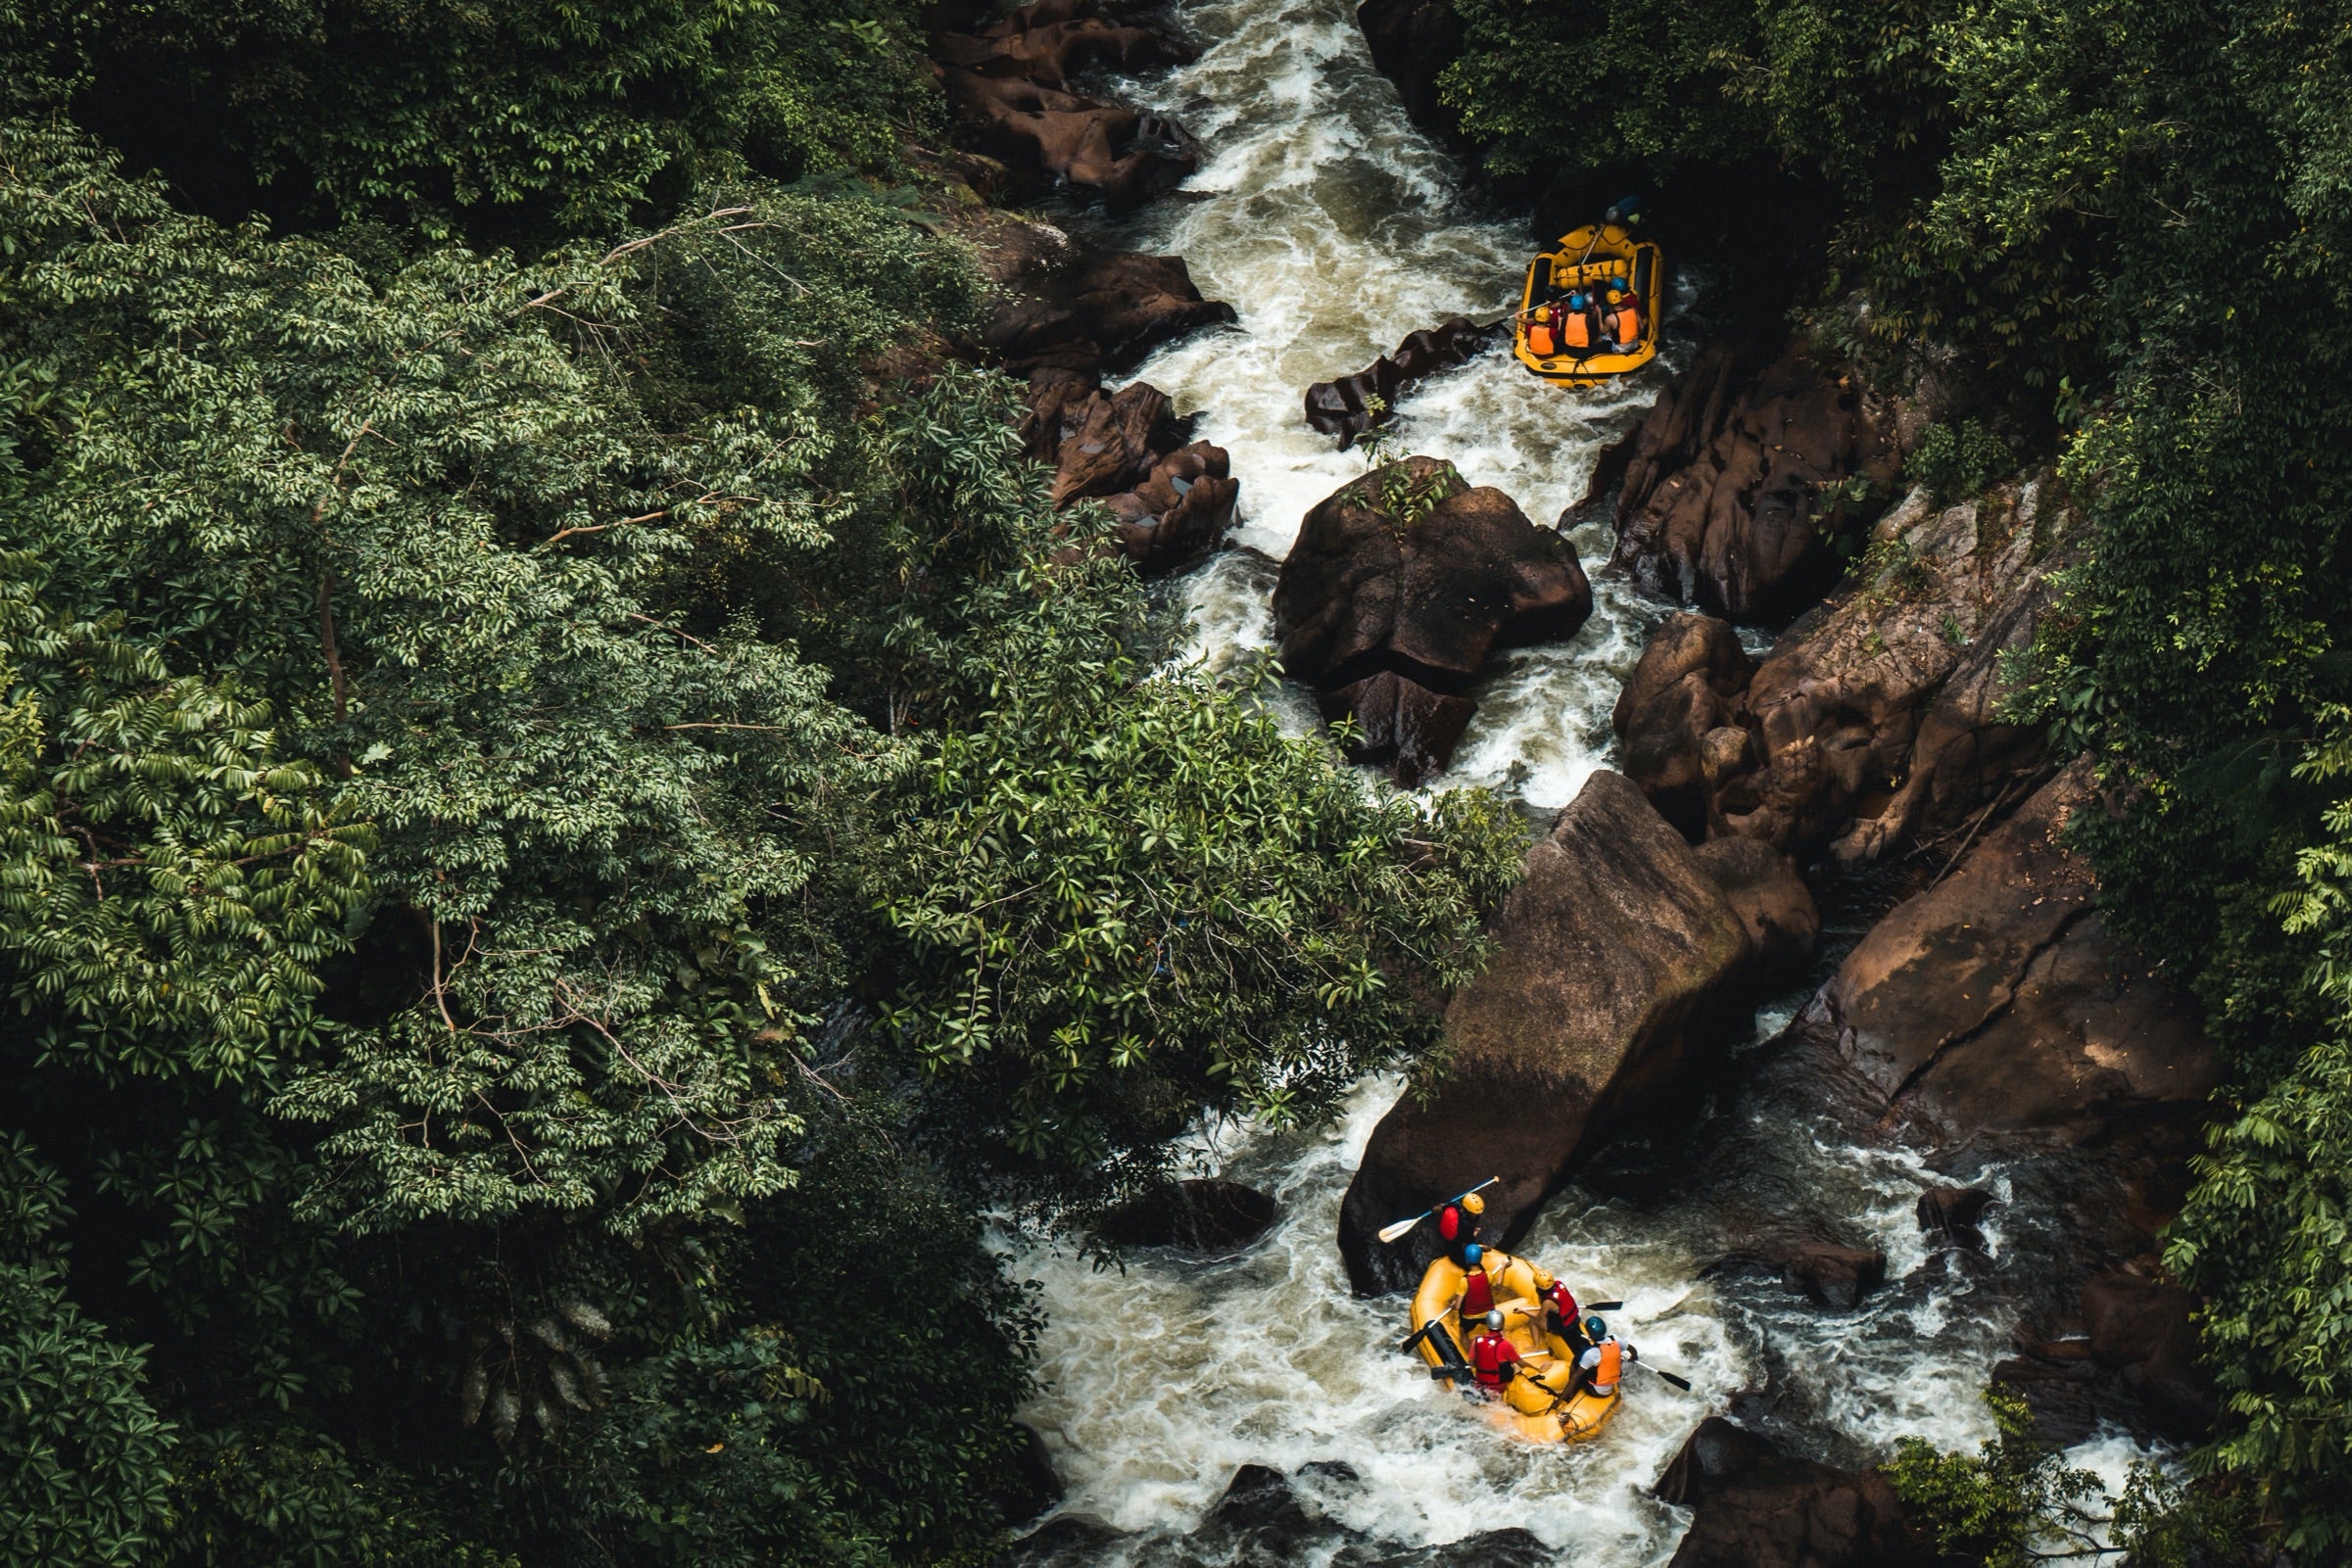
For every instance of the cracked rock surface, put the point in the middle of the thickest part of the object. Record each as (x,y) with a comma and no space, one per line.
(1996,1000)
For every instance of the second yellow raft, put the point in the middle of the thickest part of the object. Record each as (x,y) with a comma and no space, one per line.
(1531,1405)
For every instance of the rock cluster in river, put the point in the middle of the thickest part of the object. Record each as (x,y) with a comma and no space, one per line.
(1009,83)
(2127,1356)
(1732,489)
(1065,317)
(1399,585)
(1876,717)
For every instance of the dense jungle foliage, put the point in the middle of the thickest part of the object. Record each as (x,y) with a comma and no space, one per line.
(563,851)
(2131,222)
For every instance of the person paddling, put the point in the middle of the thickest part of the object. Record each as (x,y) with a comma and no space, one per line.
(1458,1225)
(1561,1313)
(1493,1360)
(1602,1362)
(1477,1286)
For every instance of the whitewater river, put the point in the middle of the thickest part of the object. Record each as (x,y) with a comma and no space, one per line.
(1335,228)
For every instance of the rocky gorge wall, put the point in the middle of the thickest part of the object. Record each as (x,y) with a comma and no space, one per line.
(1763,489)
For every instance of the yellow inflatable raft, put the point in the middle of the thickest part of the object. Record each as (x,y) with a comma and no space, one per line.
(1594,256)
(1531,1405)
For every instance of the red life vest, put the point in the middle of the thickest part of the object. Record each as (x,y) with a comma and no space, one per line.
(1449,1223)
(1563,1300)
(1490,1352)
(1477,1295)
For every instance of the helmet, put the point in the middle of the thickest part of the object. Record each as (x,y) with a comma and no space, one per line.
(1595,1329)
(1472,1253)
(1543,1279)
(1471,1203)
(1616,294)
(1576,300)
(1494,1320)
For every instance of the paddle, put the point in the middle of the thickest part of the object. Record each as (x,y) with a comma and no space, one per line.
(1389,1233)
(1681,1382)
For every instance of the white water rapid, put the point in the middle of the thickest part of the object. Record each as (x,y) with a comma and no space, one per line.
(1335,228)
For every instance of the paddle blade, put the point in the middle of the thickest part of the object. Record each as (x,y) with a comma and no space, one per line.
(1392,1232)
(1604,1306)
(1683,1384)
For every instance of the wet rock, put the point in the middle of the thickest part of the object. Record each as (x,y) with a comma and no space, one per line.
(1764,888)
(1413,42)
(1260,1520)
(1755,1508)
(1876,720)
(1615,961)
(1998,1001)
(1090,313)
(2058,1383)
(1734,487)
(1035,1486)
(1049,42)
(1173,499)
(1682,693)
(1398,587)
(1180,512)
(1833,1276)
(1343,407)
(1109,440)
(1065,1540)
(1876,717)
(2142,1328)
(1198,1215)
(1489,1549)
(1949,1216)
(1009,86)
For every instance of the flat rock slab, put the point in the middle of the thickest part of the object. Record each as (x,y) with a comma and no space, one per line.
(1998,1001)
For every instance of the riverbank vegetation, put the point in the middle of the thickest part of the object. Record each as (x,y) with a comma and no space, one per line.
(565,846)
(2126,228)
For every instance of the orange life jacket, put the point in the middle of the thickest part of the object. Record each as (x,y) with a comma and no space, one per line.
(1612,1362)
(1579,332)
(1628,322)
(1540,341)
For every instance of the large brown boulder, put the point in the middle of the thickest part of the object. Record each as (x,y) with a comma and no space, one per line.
(1678,719)
(2142,1328)
(1877,719)
(1083,312)
(1398,587)
(1344,408)
(1766,892)
(1752,1506)
(1616,959)
(1996,1000)
(1734,483)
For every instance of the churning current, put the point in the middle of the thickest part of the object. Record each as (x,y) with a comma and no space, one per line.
(1334,227)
